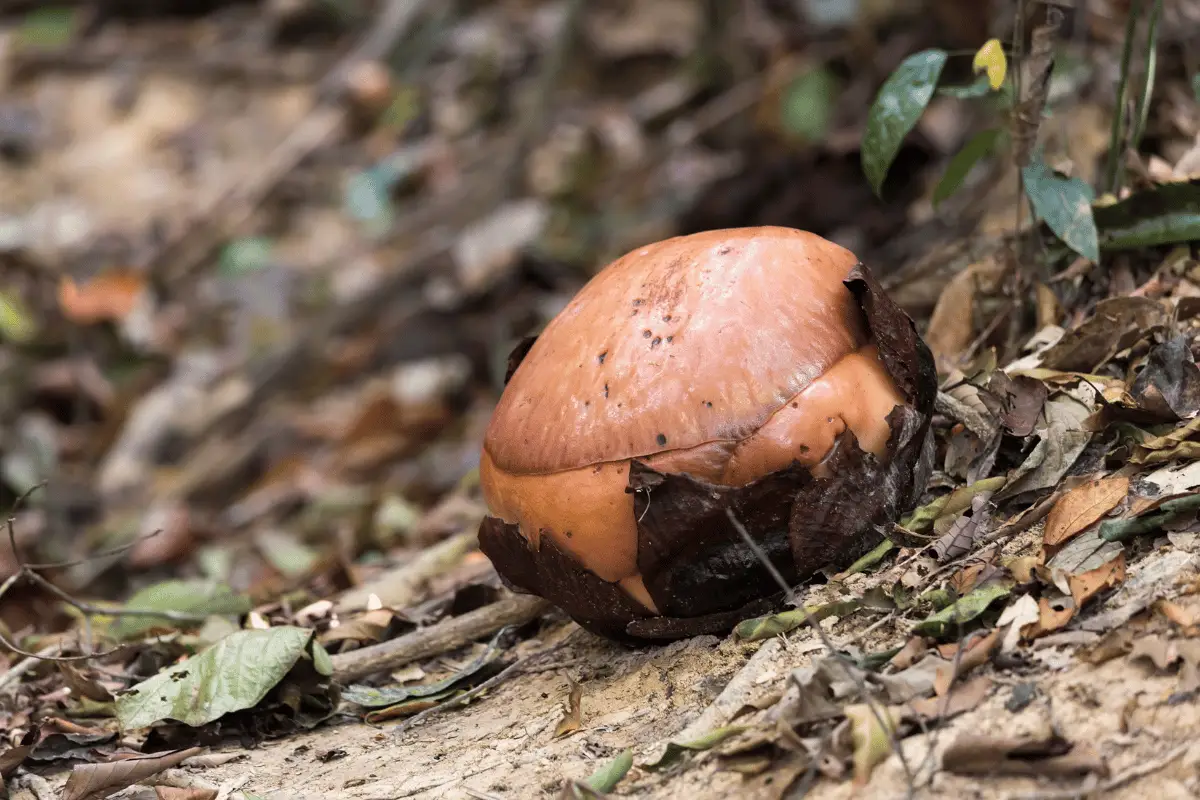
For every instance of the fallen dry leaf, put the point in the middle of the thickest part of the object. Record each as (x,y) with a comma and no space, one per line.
(1052,615)
(572,720)
(1050,757)
(1082,507)
(976,654)
(1184,618)
(177,793)
(962,697)
(110,296)
(952,324)
(1085,586)
(95,781)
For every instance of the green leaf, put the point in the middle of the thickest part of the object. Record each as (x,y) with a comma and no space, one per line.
(767,627)
(199,597)
(380,696)
(807,104)
(980,88)
(1151,520)
(967,608)
(869,560)
(608,776)
(676,750)
(232,675)
(368,199)
(956,171)
(246,255)
(896,109)
(1066,206)
(48,28)
(17,323)
(1166,214)
(949,505)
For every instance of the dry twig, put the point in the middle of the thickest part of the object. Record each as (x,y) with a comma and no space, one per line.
(514,609)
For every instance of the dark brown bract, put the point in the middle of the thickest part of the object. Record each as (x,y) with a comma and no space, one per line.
(758,370)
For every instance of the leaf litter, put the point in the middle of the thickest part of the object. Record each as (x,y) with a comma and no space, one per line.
(284,477)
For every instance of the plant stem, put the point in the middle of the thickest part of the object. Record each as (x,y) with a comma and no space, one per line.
(1116,149)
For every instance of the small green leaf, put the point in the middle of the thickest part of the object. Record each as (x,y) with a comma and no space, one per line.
(1151,520)
(949,505)
(676,750)
(807,104)
(232,675)
(17,323)
(1066,206)
(767,627)
(48,28)
(956,171)
(967,608)
(322,663)
(608,776)
(244,256)
(199,597)
(869,560)
(896,109)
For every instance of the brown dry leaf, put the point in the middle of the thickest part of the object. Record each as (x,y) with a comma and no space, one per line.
(370,626)
(1049,312)
(911,653)
(1157,650)
(962,697)
(1116,642)
(1082,507)
(1084,586)
(952,325)
(1052,615)
(1022,568)
(107,297)
(1050,757)
(573,719)
(96,781)
(1185,618)
(177,793)
(977,654)
(82,684)
(1035,86)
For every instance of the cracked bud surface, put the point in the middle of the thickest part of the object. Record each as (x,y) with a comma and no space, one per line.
(760,369)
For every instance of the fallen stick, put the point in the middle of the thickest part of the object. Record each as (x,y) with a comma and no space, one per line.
(513,609)
(400,587)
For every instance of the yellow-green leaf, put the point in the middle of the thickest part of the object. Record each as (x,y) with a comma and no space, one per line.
(991,59)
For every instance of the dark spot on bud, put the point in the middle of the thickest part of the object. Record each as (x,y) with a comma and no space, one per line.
(568,534)
(656,341)
(662,439)
(804,448)
(707,404)
(606,391)
(670,339)
(637,301)
(724,250)
(666,317)
(602,356)
(646,334)
(795,404)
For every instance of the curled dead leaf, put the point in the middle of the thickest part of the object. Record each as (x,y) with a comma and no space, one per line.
(573,719)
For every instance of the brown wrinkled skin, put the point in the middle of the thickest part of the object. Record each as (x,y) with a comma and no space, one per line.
(726,355)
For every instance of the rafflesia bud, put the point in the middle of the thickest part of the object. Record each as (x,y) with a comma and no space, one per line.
(761,371)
